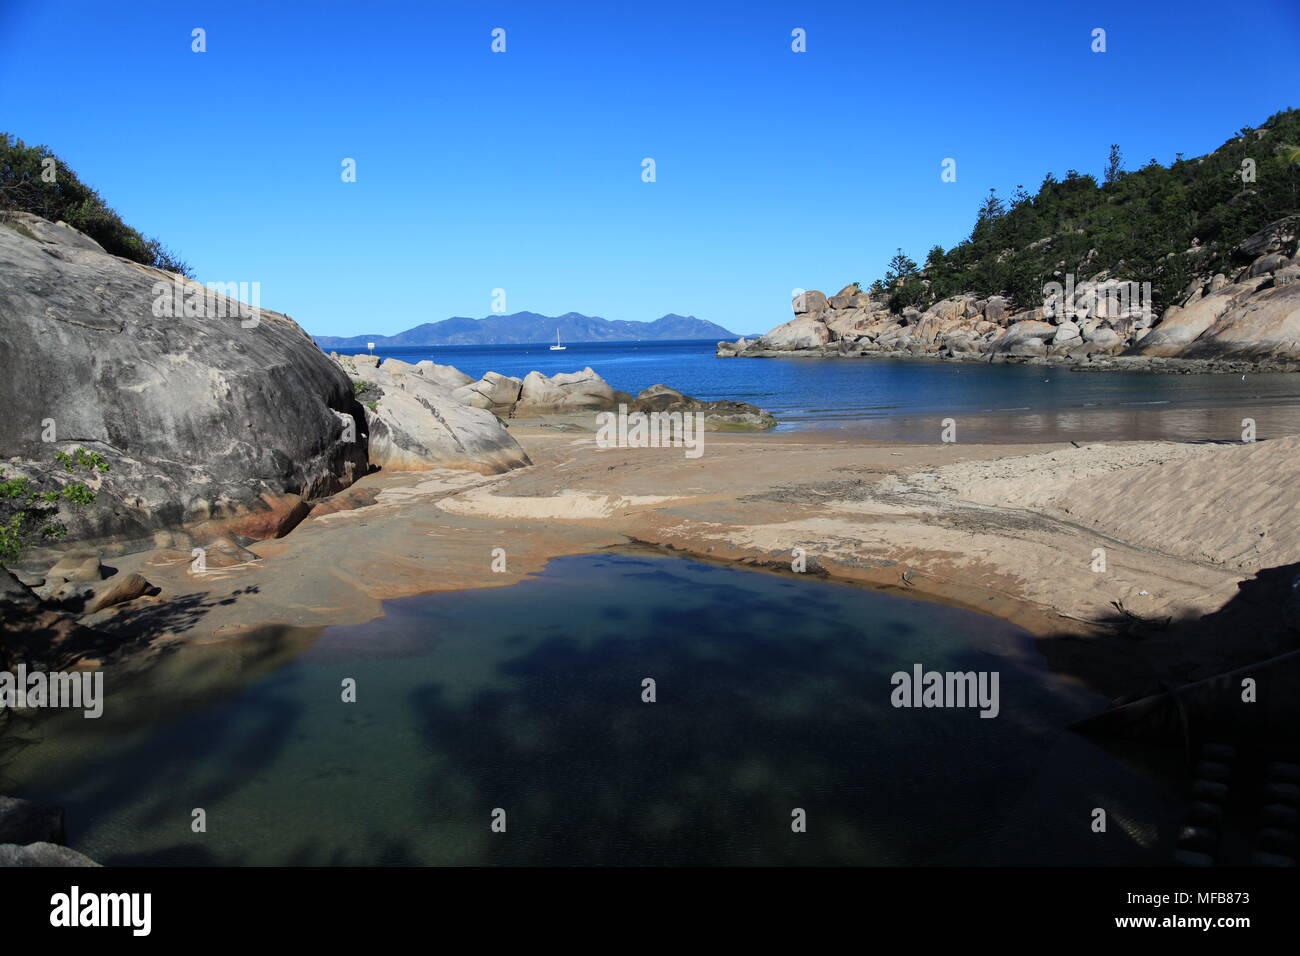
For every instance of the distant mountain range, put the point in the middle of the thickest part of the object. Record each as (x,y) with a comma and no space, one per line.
(525,328)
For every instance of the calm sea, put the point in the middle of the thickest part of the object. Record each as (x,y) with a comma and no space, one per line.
(905,399)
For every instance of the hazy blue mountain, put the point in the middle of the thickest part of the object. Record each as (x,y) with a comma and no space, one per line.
(523,328)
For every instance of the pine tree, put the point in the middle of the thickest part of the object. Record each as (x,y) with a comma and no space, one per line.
(1114,165)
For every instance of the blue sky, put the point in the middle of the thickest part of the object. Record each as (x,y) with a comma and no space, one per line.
(522,170)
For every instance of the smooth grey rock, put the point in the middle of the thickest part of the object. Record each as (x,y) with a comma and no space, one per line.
(446,375)
(76,565)
(995,309)
(811,301)
(564,391)
(494,392)
(198,417)
(415,424)
(1067,333)
(1267,264)
(118,589)
(1275,237)
(803,332)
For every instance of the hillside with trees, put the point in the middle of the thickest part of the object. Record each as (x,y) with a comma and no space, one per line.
(1164,224)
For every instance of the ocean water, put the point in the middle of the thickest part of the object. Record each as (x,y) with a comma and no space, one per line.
(773,695)
(905,399)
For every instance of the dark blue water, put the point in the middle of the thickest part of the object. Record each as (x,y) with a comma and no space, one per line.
(773,694)
(905,399)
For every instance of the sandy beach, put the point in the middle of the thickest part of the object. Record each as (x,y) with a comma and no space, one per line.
(1189,535)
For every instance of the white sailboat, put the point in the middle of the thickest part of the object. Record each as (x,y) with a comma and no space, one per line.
(557,347)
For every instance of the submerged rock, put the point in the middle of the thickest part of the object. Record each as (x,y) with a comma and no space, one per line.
(718,416)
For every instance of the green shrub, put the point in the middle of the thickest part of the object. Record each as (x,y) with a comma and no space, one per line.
(29,507)
(23,189)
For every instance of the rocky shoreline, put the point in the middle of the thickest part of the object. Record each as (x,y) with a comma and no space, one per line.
(1245,321)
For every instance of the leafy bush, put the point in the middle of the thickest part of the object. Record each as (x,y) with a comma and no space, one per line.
(29,507)
(23,189)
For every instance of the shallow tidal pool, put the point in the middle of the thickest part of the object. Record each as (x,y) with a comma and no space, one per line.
(772,696)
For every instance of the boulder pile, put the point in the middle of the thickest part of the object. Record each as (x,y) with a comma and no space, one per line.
(393,422)
(1252,315)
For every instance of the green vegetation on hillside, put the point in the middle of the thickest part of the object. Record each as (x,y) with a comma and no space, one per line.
(25,187)
(1138,225)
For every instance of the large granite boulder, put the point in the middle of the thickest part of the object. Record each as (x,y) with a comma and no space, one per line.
(848,323)
(1279,236)
(850,297)
(1267,265)
(1265,324)
(1067,334)
(415,424)
(995,310)
(804,332)
(812,302)
(204,410)
(446,375)
(494,392)
(1020,334)
(566,391)
(1179,327)
(1104,337)
(954,307)
(729,349)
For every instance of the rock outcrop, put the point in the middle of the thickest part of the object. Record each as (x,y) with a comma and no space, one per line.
(399,430)
(204,410)
(718,416)
(415,421)
(566,391)
(213,416)
(1251,316)
(495,393)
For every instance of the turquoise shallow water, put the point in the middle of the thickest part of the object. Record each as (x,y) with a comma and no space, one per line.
(905,399)
(773,693)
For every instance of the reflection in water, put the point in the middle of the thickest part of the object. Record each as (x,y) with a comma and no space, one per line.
(772,694)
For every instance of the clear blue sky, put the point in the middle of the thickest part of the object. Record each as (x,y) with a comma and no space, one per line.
(522,170)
